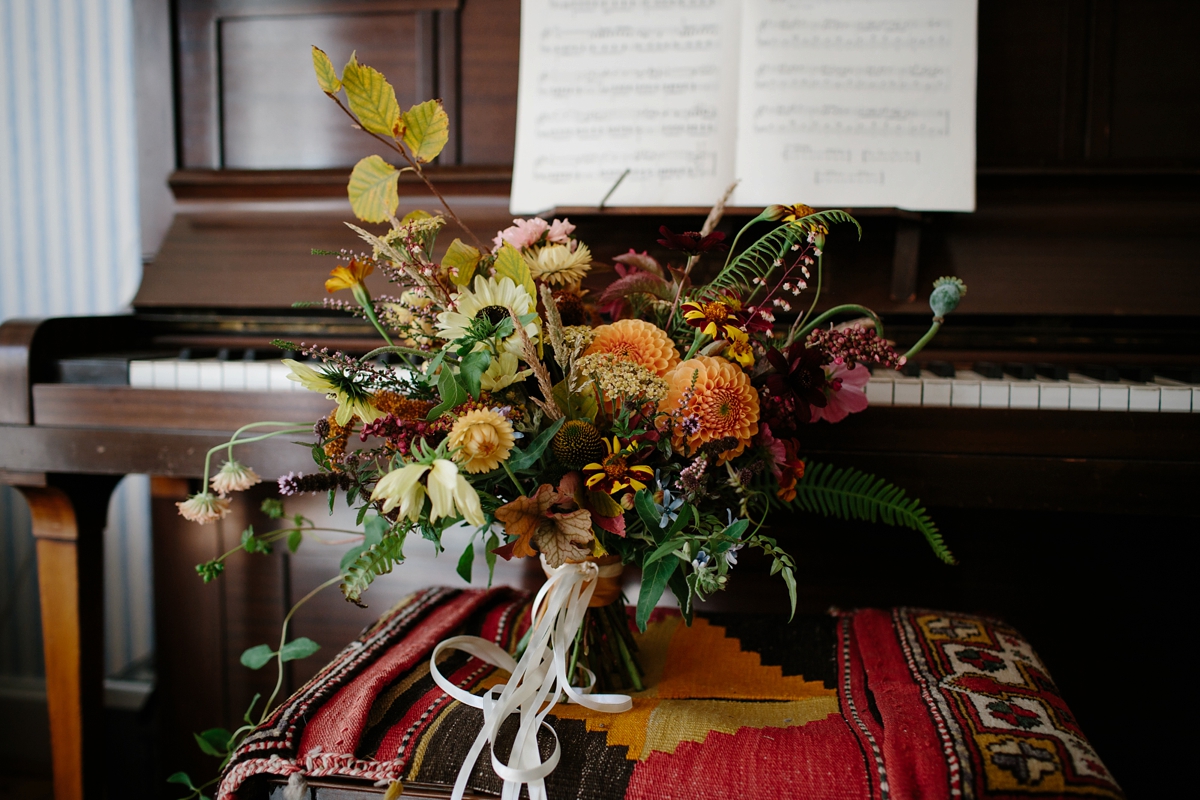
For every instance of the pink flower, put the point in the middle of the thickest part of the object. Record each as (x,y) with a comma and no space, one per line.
(523,233)
(560,231)
(774,447)
(845,392)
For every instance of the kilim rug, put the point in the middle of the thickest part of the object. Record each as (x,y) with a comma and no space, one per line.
(868,704)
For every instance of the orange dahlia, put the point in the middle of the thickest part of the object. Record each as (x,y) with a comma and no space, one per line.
(720,404)
(639,341)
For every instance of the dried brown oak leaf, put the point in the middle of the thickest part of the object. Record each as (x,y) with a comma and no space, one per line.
(560,536)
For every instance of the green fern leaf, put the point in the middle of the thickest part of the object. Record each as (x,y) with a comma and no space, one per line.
(758,260)
(853,494)
(376,560)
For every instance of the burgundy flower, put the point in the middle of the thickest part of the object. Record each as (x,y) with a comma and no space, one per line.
(796,385)
(692,242)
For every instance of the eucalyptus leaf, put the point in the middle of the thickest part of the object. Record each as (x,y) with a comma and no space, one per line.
(298,649)
(257,657)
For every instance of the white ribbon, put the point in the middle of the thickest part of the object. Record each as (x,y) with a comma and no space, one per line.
(536,681)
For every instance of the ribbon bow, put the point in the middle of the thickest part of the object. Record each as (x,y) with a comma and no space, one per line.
(536,681)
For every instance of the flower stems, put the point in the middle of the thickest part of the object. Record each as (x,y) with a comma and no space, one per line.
(291,427)
(934,327)
(283,640)
(513,477)
(833,312)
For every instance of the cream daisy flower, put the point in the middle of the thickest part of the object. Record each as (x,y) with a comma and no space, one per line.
(503,371)
(558,264)
(493,298)
(352,399)
(402,487)
(451,495)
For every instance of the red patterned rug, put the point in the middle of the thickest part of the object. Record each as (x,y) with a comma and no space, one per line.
(868,704)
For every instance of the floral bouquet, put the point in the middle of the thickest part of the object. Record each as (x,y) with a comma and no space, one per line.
(655,424)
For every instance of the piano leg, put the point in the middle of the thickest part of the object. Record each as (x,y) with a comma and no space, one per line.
(69,514)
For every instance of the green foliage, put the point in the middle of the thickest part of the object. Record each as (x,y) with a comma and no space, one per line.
(273,508)
(654,581)
(258,656)
(209,570)
(471,369)
(372,99)
(426,130)
(523,459)
(372,190)
(255,544)
(327,77)
(853,494)
(510,264)
(463,258)
(213,742)
(452,392)
(758,260)
(376,560)
(465,562)
(298,649)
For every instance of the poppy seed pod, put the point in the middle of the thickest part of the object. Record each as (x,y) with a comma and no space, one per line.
(947,293)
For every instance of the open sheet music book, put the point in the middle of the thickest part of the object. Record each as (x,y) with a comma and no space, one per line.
(826,102)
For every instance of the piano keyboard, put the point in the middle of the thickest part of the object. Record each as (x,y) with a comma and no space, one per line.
(941,387)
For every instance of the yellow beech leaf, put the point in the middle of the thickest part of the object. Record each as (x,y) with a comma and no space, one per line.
(326,75)
(372,190)
(426,129)
(372,99)
(462,257)
(509,264)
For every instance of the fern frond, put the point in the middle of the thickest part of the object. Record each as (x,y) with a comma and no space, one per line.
(758,260)
(853,494)
(376,560)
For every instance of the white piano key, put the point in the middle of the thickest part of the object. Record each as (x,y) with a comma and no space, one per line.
(993,394)
(1023,394)
(233,376)
(210,375)
(258,376)
(1175,397)
(1054,395)
(1085,393)
(965,390)
(278,381)
(163,370)
(1196,399)
(907,392)
(1144,397)
(879,391)
(141,374)
(187,375)
(935,391)
(1114,397)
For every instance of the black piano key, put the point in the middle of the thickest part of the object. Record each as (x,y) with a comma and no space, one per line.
(989,370)
(1101,372)
(1181,374)
(229,354)
(943,369)
(1055,372)
(1023,372)
(289,354)
(254,355)
(197,353)
(911,370)
(1137,374)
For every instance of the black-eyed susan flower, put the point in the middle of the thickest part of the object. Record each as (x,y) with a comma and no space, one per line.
(716,318)
(614,472)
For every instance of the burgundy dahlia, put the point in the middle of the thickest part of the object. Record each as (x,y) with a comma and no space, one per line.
(794,387)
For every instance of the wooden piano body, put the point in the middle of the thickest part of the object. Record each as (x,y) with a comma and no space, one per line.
(1083,252)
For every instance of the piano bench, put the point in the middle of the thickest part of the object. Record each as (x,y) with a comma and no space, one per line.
(903,703)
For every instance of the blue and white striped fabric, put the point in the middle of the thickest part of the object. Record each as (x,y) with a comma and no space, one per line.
(69,245)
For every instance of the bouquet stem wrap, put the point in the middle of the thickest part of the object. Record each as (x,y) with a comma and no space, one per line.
(536,681)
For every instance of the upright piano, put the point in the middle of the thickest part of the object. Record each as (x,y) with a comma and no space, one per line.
(1067,385)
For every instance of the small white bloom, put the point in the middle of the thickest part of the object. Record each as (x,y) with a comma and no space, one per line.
(203,508)
(234,477)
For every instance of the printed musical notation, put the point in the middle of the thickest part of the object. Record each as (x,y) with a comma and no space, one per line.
(613,85)
(829,102)
(883,89)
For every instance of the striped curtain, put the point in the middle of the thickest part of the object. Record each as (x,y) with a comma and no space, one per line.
(69,245)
